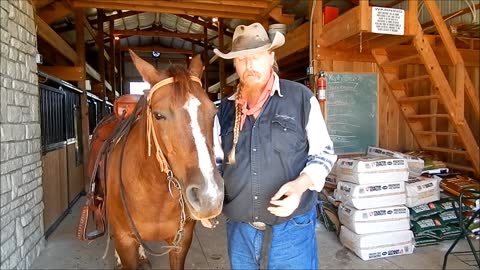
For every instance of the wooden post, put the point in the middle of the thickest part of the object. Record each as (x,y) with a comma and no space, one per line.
(460,91)
(316,31)
(221,61)
(412,16)
(205,57)
(101,58)
(112,60)
(80,62)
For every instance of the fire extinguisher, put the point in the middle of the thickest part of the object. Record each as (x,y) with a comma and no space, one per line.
(321,87)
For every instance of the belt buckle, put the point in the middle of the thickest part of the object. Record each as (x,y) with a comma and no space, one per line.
(258,225)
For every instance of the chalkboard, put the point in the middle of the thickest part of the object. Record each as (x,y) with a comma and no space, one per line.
(351,111)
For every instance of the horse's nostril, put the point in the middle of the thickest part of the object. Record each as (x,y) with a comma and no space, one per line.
(193,196)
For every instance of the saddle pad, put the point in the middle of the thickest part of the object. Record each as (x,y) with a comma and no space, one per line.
(375,220)
(378,245)
(370,170)
(371,195)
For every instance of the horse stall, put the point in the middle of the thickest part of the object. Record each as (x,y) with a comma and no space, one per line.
(62,154)
(395,80)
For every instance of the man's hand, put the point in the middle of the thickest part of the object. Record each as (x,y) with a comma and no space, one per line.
(287,198)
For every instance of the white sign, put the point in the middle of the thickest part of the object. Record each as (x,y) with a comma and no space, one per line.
(388,21)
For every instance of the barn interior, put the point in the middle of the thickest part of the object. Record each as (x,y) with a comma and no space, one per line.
(411,91)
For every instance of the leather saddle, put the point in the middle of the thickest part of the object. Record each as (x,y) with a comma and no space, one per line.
(100,146)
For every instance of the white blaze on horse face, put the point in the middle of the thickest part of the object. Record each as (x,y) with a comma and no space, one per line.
(203,154)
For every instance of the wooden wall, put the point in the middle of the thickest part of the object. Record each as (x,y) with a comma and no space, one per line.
(55,189)
(393,131)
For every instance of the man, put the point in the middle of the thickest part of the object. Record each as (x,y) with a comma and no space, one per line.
(277,155)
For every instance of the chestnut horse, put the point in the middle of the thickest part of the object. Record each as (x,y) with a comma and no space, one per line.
(161,172)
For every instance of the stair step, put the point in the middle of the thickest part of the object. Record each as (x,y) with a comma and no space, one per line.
(417,98)
(438,133)
(411,79)
(402,60)
(445,150)
(459,167)
(422,116)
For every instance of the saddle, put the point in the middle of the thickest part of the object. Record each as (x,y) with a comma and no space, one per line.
(103,140)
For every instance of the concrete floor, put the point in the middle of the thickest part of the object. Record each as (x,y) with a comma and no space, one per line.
(208,251)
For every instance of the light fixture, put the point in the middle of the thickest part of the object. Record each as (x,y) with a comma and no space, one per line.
(156,54)
(214,19)
(117,38)
(189,57)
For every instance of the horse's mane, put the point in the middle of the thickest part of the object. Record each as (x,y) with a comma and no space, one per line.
(183,84)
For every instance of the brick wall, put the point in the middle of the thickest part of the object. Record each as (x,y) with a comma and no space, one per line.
(21,205)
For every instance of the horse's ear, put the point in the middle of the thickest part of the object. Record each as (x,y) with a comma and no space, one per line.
(196,66)
(148,72)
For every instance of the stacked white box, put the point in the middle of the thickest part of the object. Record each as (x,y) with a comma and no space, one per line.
(371,195)
(378,245)
(415,164)
(375,221)
(369,170)
(422,190)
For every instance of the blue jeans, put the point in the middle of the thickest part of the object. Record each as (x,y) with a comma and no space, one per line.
(293,244)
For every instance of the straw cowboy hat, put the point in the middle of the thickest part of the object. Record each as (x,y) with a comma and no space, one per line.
(251,39)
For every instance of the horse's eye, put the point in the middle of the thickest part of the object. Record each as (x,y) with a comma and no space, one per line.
(159,116)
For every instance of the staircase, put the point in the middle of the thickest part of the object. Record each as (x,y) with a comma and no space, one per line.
(435,113)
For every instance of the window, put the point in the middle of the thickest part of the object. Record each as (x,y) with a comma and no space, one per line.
(138,87)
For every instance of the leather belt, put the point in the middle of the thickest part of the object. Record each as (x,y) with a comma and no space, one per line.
(258,225)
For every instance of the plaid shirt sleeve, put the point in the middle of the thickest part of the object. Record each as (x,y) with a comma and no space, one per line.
(321,156)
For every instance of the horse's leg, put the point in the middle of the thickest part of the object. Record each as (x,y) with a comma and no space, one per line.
(127,249)
(143,261)
(177,258)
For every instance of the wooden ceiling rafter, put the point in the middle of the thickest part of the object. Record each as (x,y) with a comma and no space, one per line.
(209,25)
(235,3)
(154,33)
(157,49)
(152,6)
(54,11)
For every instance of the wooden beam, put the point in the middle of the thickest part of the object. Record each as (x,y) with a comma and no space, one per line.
(296,41)
(234,3)
(221,61)
(92,72)
(267,10)
(80,61)
(66,73)
(157,49)
(146,33)
(208,25)
(101,59)
(278,16)
(172,10)
(38,4)
(471,56)
(450,16)
(54,12)
(52,38)
(216,87)
(341,28)
(119,15)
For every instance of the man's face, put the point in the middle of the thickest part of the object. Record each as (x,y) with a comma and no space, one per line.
(254,69)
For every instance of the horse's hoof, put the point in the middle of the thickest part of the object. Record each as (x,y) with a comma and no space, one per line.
(144,264)
(117,267)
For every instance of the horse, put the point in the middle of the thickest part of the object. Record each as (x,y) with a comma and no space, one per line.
(161,174)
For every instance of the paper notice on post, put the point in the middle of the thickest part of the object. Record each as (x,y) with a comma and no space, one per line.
(388,21)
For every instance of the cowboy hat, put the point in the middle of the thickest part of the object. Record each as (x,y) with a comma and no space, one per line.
(251,39)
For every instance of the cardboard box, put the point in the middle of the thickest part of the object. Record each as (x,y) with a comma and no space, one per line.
(415,164)
(374,220)
(369,170)
(370,195)
(378,245)
(422,190)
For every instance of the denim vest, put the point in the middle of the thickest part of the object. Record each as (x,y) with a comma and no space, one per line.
(271,151)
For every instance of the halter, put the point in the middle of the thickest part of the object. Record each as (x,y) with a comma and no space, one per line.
(162,161)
